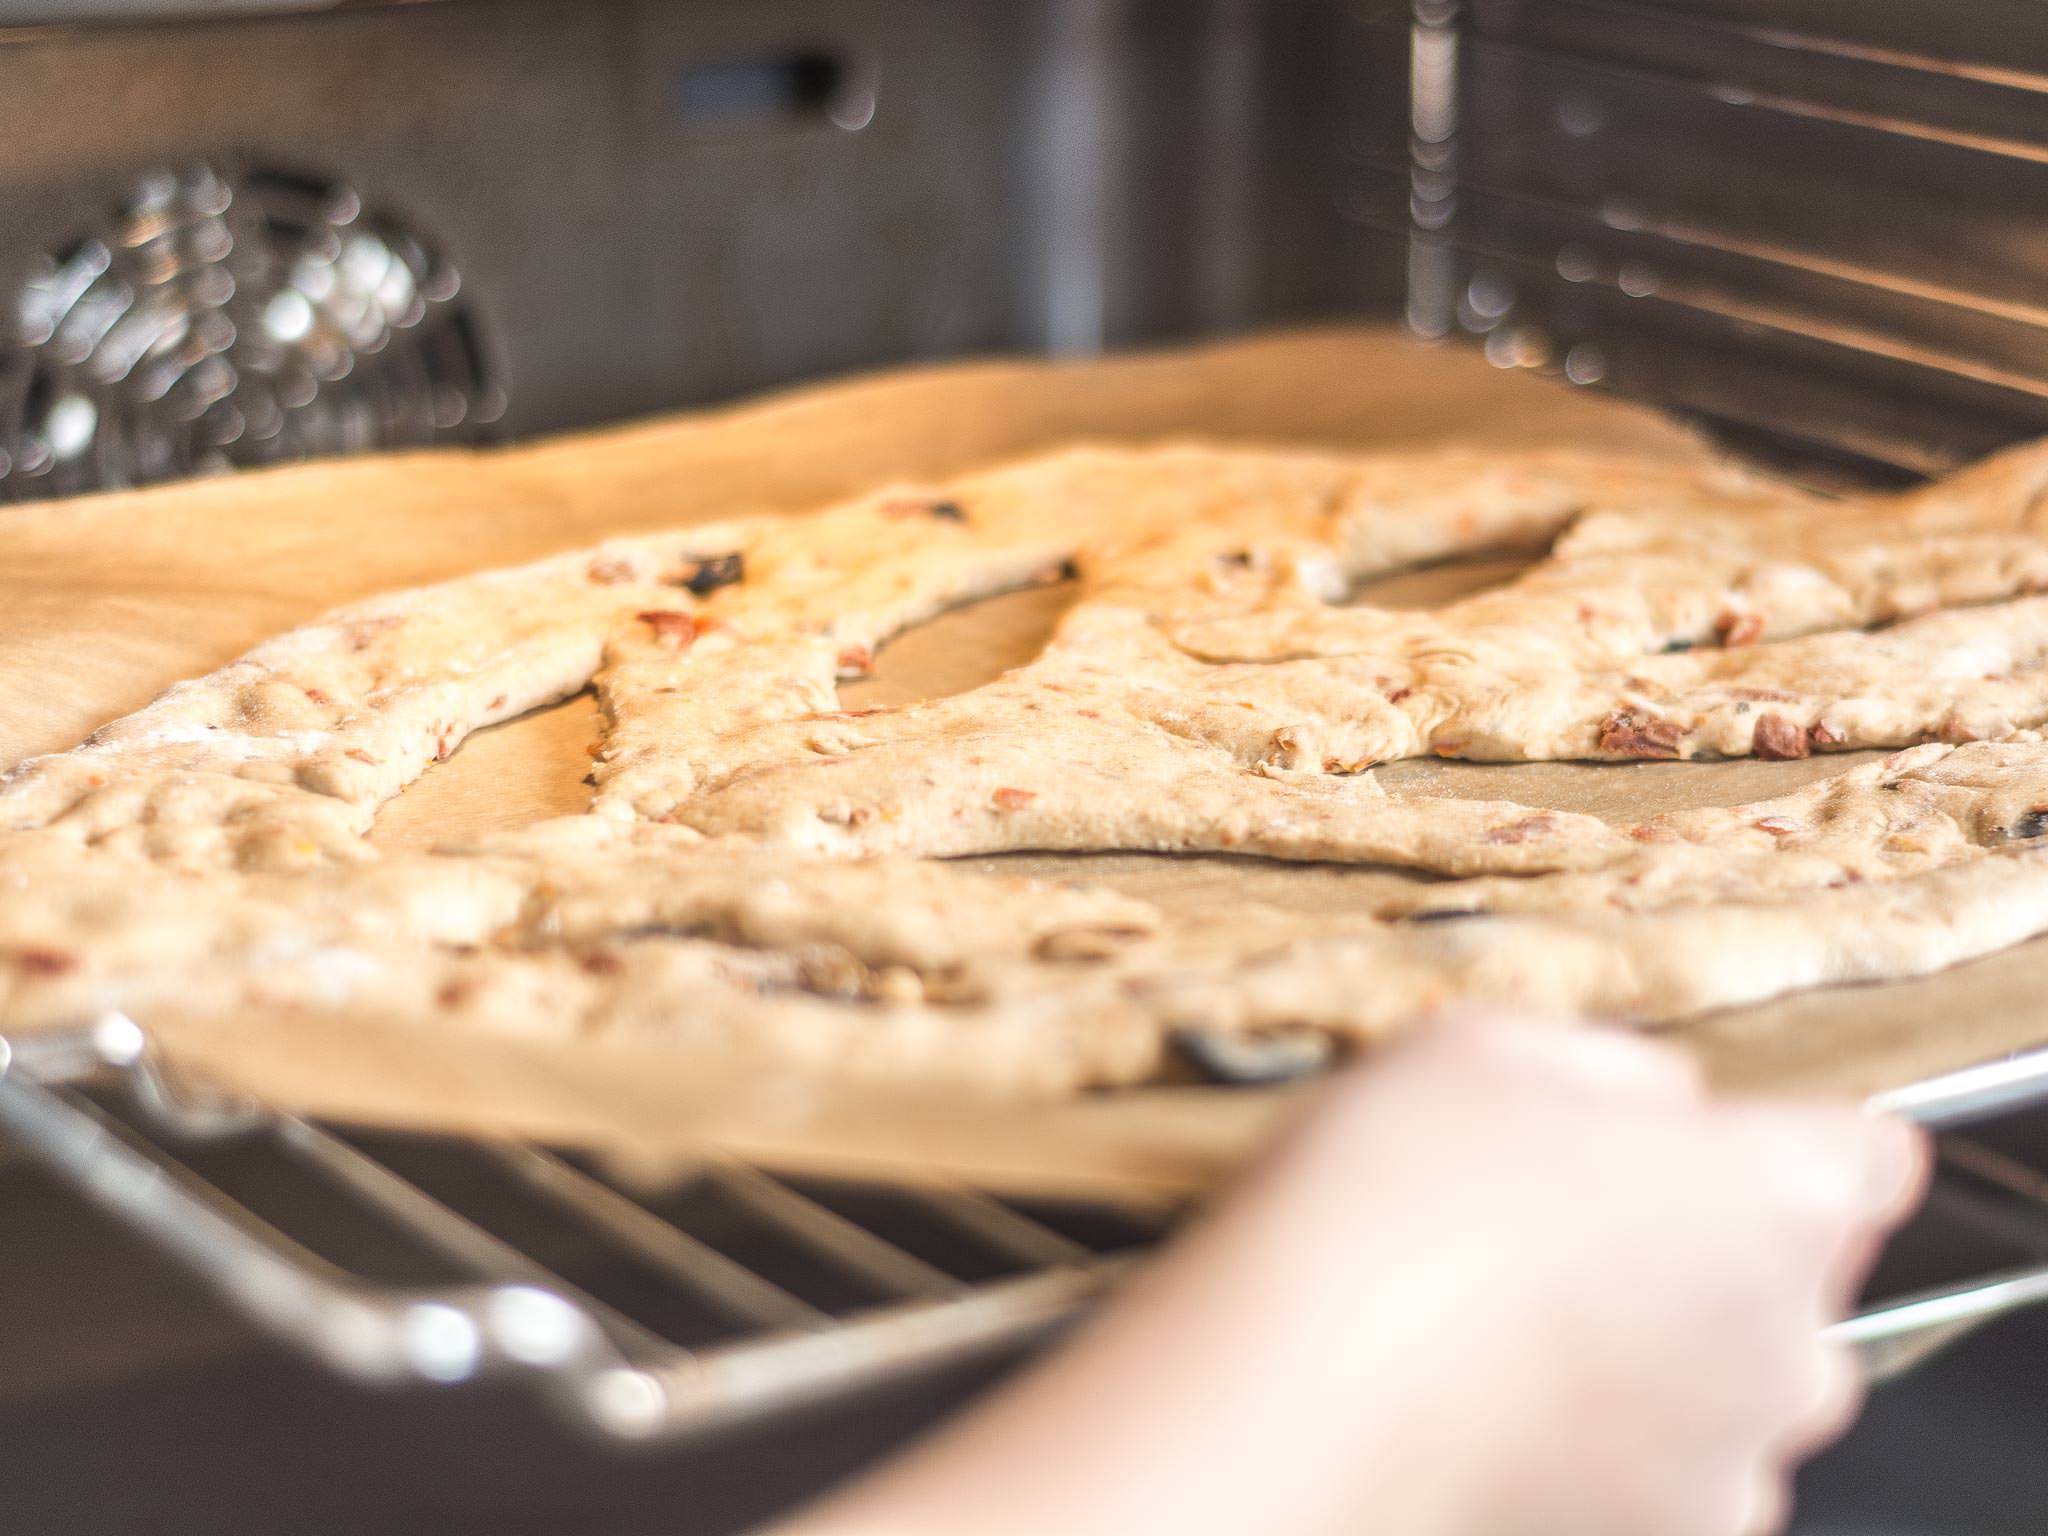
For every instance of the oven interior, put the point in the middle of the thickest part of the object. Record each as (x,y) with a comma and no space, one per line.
(271,231)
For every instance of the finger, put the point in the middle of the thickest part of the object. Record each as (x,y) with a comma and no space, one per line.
(1581,1055)
(1849,1270)
(1835,1397)
(1913,1170)
(1854,1259)
(1837,1169)
(1767,1506)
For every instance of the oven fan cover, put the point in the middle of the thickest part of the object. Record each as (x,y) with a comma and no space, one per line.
(220,321)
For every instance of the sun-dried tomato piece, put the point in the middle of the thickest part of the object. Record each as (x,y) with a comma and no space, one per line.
(1739,628)
(670,624)
(45,962)
(1628,734)
(1521,831)
(1777,738)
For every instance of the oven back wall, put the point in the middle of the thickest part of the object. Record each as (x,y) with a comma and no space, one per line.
(656,204)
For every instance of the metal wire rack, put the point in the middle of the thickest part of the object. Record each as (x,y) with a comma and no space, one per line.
(722,1293)
(646,1312)
(1580,192)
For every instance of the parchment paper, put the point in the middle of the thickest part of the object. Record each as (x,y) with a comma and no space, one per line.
(106,600)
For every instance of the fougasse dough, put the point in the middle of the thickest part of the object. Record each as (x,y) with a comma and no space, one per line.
(761,872)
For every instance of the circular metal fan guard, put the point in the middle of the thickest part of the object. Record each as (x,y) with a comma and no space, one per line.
(216,322)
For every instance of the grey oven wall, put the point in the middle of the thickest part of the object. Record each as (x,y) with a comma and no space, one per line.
(646,213)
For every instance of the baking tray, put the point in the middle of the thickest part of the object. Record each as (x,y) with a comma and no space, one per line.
(105,600)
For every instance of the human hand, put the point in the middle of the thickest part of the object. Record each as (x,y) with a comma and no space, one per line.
(1508,1279)
(1615,1284)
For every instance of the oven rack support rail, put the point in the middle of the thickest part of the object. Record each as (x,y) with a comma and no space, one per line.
(614,1377)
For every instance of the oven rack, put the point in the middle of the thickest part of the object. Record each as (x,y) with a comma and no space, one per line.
(95,1106)
(601,1340)
(1582,191)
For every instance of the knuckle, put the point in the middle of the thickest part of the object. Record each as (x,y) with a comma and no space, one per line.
(1835,1396)
(1816,1166)
(1766,1506)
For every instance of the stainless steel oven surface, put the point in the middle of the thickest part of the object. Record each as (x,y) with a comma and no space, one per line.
(242,234)
(522,215)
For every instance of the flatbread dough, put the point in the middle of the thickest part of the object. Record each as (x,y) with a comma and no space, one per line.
(753,877)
